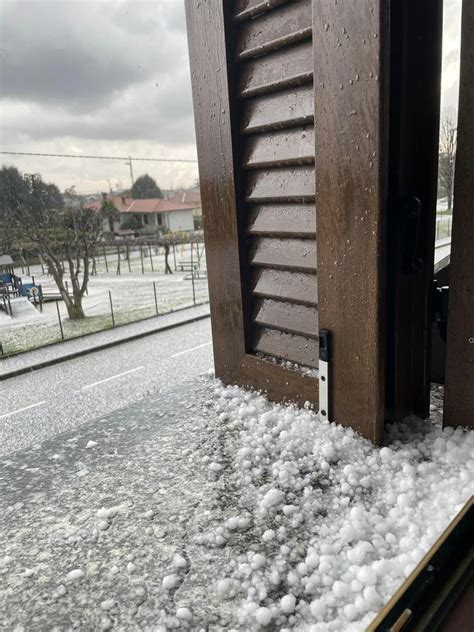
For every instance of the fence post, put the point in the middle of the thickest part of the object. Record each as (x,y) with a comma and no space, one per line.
(105,259)
(141,258)
(128,259)
(111,309)
(151,259)
(59,319)
(118,259)
(174,258)
(192,275)
(156,299)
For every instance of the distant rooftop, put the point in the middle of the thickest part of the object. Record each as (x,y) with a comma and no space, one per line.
(151,205)
(188,196)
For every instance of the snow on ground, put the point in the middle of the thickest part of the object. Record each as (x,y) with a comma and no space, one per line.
(327,526)
(132,297)
(212,508)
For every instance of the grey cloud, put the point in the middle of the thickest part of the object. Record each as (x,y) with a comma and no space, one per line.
(81,55)
(161,113)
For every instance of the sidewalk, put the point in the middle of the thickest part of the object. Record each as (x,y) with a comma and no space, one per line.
(52,354)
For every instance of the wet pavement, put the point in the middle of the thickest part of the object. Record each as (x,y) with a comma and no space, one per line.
(84,344)
(94,520)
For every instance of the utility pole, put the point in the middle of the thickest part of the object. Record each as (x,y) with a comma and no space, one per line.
(129,163)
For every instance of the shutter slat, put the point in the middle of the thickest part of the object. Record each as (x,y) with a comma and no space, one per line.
(296,319)
(285,285)
(282,109)
(298,220)
(286,346)
(289,67)
(283,184)
(289,23)
(293,254)
(246,9)
(280,148)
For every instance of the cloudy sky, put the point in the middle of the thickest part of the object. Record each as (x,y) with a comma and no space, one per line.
(112,78)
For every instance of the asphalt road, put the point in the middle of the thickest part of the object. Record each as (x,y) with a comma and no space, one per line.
(47,402)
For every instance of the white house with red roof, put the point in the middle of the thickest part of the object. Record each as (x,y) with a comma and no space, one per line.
(188,196)
(154,214)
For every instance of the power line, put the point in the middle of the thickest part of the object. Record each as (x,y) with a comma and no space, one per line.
(30,153)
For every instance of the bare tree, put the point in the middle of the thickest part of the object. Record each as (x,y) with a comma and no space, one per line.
(13,191)
(447,153)
(65,238)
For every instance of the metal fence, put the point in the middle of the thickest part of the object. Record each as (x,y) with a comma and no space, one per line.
(443,226)
(126,287)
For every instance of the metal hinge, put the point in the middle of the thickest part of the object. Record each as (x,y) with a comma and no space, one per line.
(440,308)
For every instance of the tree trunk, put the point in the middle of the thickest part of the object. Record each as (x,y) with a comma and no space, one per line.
(74,307)
(75,310)
(74,304)
(168,270)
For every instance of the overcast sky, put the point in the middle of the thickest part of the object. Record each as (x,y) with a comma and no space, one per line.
(112,78)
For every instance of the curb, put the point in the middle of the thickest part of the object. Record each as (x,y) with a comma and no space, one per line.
(101,347)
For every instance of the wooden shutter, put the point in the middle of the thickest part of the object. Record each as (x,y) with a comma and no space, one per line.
(459,378)
(252,74)
(350,61)
(298,121)
(275,66)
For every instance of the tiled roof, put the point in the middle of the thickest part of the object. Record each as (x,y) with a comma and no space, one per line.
(191,196)
(153,205)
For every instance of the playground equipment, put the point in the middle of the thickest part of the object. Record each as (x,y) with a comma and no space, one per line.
(14,291)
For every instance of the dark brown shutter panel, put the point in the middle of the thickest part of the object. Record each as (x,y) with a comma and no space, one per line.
(459,379)
(415,78)
(350,60)
(210,81)
(262,92)
(274,54)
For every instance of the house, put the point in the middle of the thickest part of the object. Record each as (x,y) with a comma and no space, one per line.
(188,196)
(154,214)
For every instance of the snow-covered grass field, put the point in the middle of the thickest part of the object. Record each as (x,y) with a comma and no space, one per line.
(132,298)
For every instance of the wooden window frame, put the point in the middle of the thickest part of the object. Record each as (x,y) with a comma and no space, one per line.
(459,377)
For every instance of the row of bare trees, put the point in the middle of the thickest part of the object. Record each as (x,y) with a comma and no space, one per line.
(33,217)
(447,154)
(33,214)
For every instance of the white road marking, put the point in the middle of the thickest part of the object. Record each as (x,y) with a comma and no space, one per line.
(20,410)
(206,344)
(112,377)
